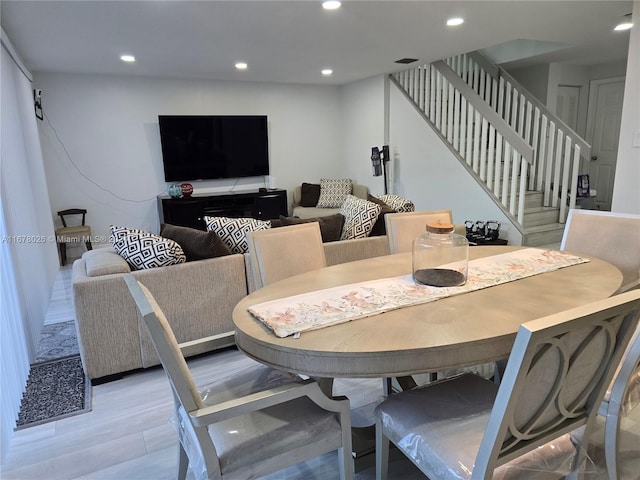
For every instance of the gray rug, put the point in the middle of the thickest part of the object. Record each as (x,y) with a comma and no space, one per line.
(55,390)
(58,340)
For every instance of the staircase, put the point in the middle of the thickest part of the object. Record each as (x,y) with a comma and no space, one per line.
(525,158)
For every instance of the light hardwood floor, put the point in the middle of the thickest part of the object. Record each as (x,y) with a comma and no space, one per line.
(129,434)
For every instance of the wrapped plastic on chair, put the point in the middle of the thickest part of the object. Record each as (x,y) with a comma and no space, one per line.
(251,430)
(553,460)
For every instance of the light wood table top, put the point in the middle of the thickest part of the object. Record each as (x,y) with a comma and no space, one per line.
(463,330)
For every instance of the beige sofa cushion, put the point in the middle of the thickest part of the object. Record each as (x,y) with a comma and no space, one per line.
(358,190)
(104,261)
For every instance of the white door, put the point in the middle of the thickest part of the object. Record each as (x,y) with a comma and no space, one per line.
(603,130)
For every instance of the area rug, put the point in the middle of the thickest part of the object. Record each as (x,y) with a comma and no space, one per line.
(57,340)
(56,389)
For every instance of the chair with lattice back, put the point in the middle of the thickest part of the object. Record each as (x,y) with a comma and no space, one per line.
(72,233)
(556,377)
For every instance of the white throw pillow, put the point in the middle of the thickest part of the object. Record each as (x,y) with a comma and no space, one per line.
(333,192)
(233,231)
(398,203)
(144,250)
(359,217)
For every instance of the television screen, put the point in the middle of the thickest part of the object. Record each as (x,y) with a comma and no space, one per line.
(201,147)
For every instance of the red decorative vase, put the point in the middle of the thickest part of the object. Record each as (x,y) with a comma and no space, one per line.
(187,189)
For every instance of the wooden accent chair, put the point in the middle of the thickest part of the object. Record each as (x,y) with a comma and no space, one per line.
(556,377)
(404,227)
(282,252)
(259,422)
(613,237)
(72,233)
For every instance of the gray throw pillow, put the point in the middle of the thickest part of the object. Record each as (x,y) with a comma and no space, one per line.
(196,244)
(379,227)
(330,225)
(309,194)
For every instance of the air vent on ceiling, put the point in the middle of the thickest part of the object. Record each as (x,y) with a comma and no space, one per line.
(406,60)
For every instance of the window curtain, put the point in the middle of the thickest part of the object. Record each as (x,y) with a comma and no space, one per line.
(29,260)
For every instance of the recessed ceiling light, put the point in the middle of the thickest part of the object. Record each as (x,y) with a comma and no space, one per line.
(623,26)
(327,71)
(127,58)
(331,5)
(241,66)
(453,22)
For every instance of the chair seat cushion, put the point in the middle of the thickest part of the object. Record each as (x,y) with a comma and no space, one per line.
(260,436)
(80,233)
(263,435)
(440,427)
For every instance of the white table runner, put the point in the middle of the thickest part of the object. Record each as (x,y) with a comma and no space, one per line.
(331,306)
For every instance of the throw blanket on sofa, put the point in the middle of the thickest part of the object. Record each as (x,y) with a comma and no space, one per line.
(318,309)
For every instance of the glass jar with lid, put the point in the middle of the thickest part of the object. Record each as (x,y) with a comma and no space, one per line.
(440,256)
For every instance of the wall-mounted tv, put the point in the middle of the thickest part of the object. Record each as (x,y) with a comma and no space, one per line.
(205,147)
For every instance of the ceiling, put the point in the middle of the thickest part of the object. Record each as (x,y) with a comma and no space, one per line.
(291,41)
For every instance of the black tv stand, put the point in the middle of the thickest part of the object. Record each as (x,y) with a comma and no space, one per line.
(190,211)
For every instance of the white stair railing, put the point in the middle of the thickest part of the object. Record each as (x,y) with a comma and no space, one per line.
(556,161)
(490,147)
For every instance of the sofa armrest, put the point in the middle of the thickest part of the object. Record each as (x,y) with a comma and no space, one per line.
(360,191)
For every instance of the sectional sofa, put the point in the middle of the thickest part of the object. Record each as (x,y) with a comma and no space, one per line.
(197,297)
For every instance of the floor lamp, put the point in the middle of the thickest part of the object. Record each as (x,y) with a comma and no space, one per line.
(379,161)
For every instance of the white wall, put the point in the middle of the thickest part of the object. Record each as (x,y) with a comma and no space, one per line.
(535,79)
(626,191)
(102,149)
(431,176)
(363,127)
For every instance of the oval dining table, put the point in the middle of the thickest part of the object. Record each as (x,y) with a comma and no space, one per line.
(469,329)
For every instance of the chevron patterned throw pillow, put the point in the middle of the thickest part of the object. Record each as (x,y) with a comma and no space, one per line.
(233,231)
(333,192)
(359,217)
(144,250)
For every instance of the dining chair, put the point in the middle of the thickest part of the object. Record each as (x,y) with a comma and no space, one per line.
(468,427)
(259,421)
(404,227)
(72,233)
(622,396)
(282,252)
(609,236)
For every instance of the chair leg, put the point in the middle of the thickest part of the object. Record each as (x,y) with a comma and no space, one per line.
(183,462)
(611,429)
(382,453)
(63,253)
(88,245)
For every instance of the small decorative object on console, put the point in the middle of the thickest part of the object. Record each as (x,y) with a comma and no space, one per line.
(187,189)
(174,190)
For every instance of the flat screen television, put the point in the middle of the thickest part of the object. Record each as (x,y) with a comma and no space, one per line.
(205,147)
